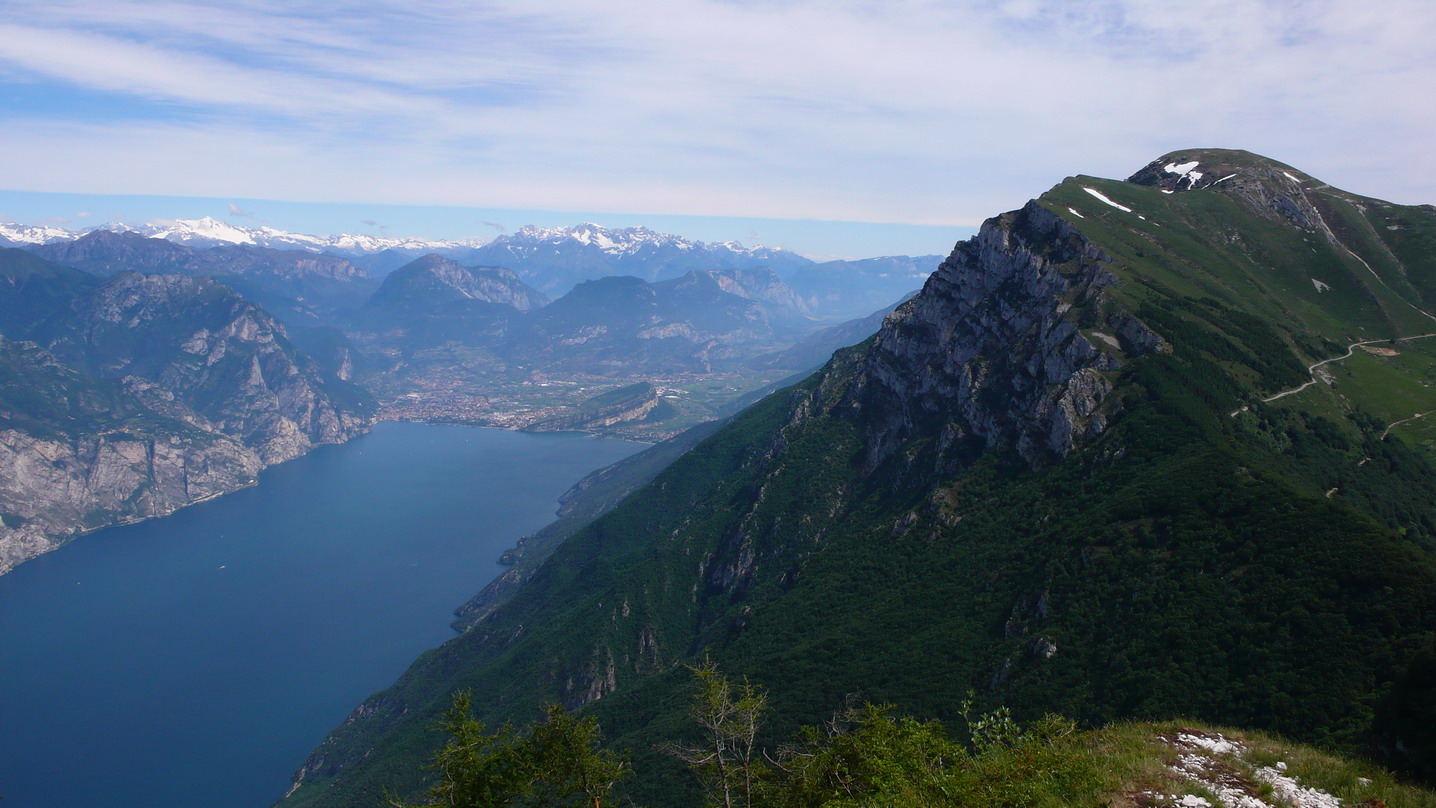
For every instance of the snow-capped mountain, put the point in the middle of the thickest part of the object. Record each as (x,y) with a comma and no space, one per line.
(634,240)
(18,234)
(210,232)
(553,259)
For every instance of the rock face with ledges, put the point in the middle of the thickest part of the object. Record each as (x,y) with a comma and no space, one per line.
(990,353)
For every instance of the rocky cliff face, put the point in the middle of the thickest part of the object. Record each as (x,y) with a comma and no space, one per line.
(215,352)
(137,395)
(990,354)
(53,490)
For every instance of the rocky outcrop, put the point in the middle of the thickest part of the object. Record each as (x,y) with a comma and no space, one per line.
(625,405)
(990,354)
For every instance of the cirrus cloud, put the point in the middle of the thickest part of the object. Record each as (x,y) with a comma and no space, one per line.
(908,111)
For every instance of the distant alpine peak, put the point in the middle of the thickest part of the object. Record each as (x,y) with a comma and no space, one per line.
(621,241)
(34,233)
(210,232)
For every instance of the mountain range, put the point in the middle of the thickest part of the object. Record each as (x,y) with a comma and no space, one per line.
(209,232)
(1138,449)
(553,259)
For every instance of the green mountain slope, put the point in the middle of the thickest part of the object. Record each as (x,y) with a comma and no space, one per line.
(1051,479)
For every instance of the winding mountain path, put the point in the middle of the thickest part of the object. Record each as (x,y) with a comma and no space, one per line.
(1311,369)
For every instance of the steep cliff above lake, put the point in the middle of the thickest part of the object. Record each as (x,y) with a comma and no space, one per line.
(131,396)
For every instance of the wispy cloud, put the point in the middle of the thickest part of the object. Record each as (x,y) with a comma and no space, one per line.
(930,112)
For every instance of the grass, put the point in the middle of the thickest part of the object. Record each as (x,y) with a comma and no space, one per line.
(1202,244)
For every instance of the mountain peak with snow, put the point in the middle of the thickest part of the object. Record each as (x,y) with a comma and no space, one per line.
(210,232)
(555,258)
(626,240)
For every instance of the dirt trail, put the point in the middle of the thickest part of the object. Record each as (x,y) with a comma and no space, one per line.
(1387,430)
(1311,369)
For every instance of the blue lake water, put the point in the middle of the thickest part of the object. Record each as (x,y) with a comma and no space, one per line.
(195,660)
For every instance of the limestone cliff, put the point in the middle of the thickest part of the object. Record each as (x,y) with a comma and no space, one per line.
(130,397)
(1005,348)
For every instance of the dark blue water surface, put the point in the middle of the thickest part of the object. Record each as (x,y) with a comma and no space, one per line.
(195,660)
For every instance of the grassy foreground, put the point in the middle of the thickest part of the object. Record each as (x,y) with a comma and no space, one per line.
(872,756)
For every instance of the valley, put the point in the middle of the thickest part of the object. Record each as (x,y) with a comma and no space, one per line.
(138,313)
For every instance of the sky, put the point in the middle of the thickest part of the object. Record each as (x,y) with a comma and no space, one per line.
(838,128)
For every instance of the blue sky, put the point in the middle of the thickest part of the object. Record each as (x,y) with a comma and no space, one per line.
(833,128)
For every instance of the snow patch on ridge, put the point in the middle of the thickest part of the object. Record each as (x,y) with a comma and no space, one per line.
(1103,197)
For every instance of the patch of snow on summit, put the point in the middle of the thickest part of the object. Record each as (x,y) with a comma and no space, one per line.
(1103,197)
(1075,213)
(1187,171)
(1320,287)
(205,228)
(1293,179)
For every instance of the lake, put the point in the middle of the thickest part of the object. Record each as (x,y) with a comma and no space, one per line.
(195,660)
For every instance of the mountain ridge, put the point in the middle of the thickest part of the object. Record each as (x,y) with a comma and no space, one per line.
(1028,484)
